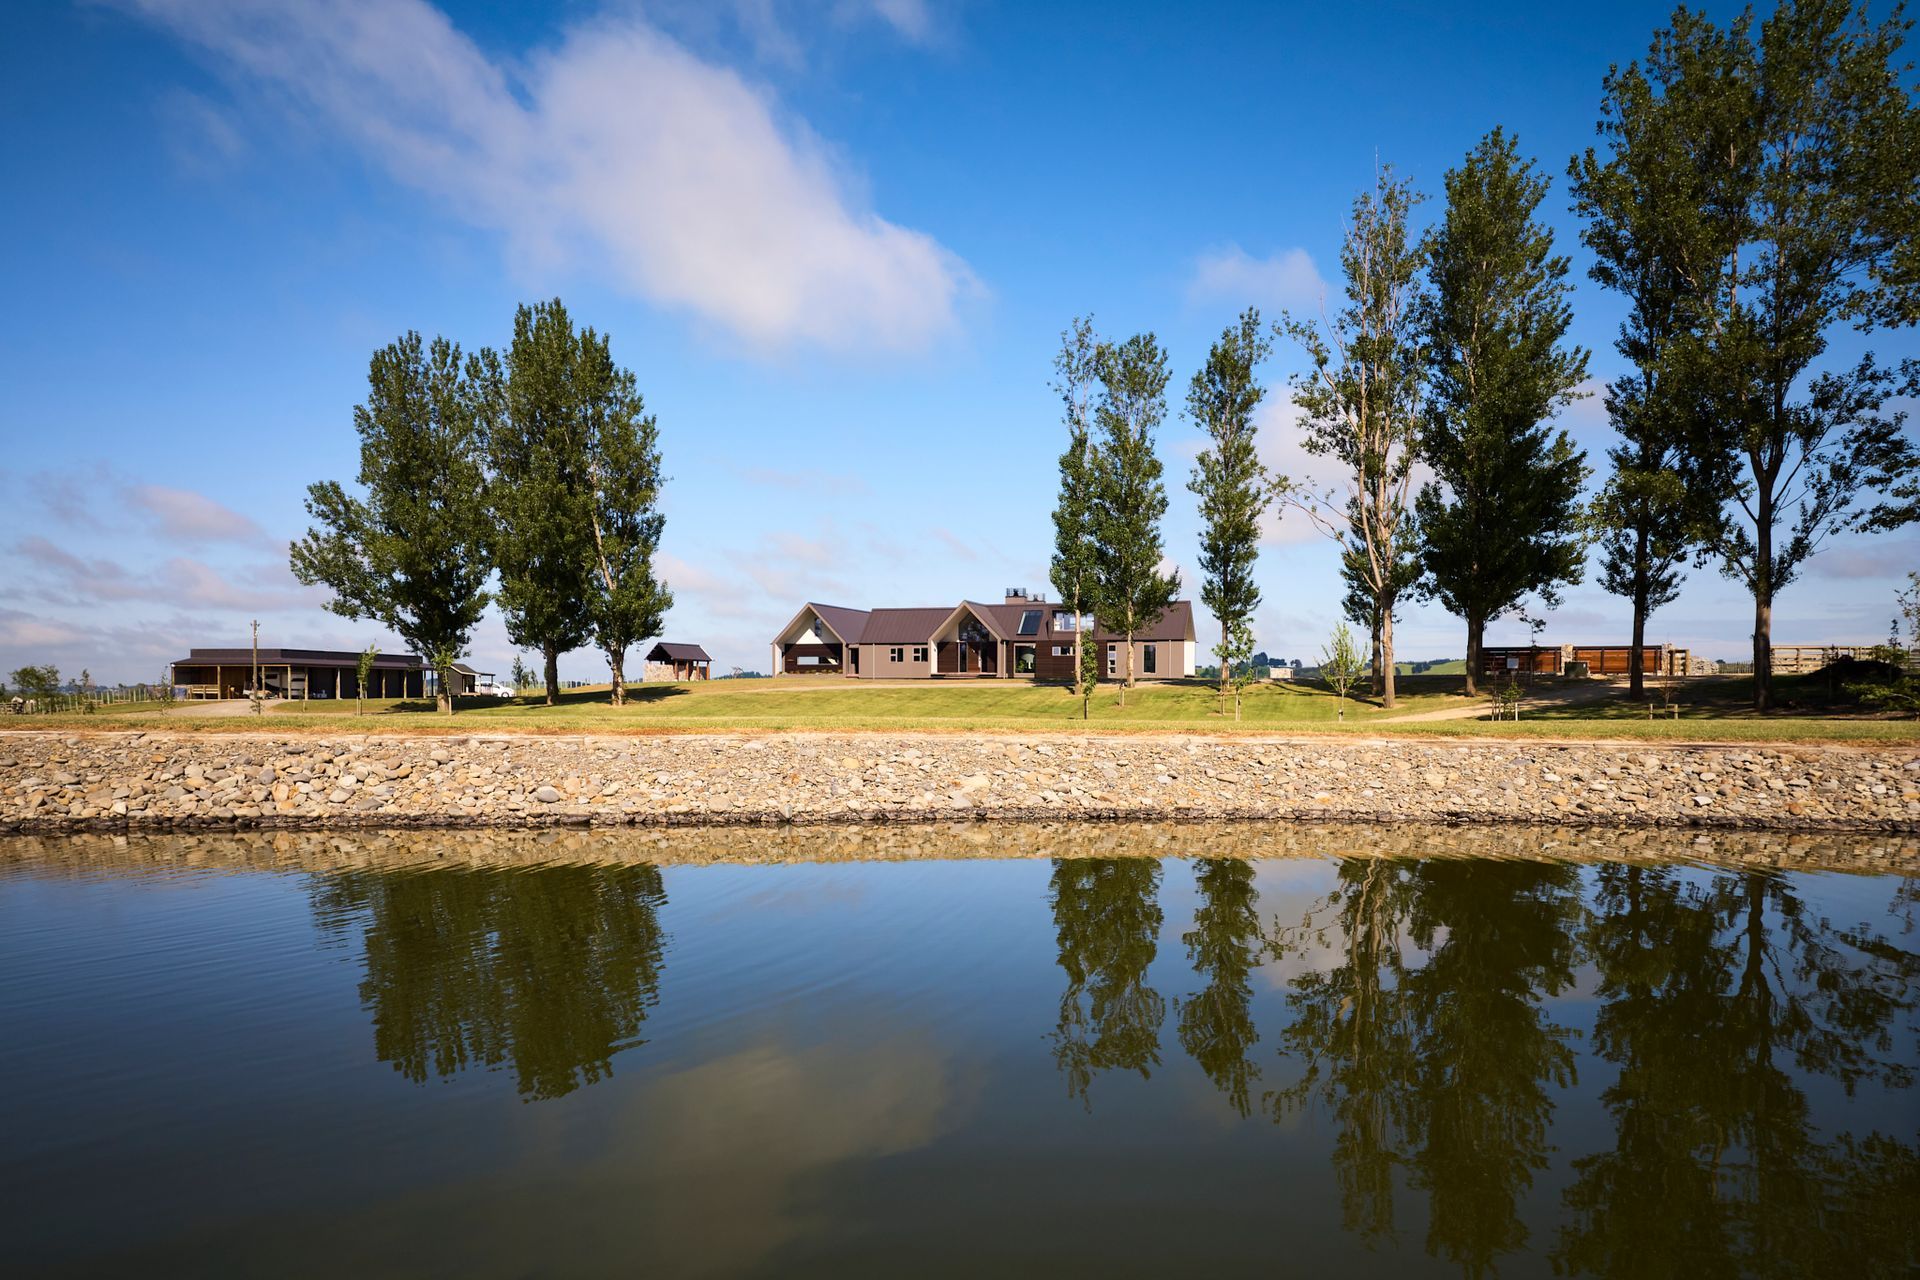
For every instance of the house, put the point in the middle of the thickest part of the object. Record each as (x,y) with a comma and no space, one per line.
(669,661)
(296,673)
(1023,636)
(1601,659)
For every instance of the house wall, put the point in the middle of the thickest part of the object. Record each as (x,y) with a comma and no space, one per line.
(1173,659)
(982,658)
(876,664)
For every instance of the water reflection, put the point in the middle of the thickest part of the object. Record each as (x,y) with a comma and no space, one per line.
(1725,1003)
(1224,945)
(1609,1067)
(1106,916)
(551,970)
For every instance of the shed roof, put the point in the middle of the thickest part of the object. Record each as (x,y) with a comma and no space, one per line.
(668,651)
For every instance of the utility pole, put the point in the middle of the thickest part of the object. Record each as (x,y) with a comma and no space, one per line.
(258,708)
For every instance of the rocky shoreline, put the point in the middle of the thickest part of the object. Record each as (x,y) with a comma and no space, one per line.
(55,783)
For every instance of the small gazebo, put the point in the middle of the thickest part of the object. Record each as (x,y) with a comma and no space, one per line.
(667,661)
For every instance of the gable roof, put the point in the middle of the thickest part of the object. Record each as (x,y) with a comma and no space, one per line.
(849,624)
(903,626)
(668,651)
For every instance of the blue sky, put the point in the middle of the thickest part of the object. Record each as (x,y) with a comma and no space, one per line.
(836,242)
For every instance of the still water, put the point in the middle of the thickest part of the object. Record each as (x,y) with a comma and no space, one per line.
(1351,1053)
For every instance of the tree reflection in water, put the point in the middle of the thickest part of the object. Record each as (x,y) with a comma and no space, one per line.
(1724,1000)
(1225,945)
(1106,915)
(551,969)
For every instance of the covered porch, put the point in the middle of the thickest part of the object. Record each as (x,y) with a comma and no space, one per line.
(808,646)
(968,644)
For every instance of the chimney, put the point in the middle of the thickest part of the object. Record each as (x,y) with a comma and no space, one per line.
(1016,594)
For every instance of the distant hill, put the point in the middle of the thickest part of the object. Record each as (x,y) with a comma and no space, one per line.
(1433,667)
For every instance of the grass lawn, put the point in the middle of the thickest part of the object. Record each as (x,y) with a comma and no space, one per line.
(830,703)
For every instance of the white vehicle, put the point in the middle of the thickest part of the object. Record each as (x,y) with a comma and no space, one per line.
(493,689)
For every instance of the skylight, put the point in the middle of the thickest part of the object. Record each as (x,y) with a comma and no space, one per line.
(1030,623)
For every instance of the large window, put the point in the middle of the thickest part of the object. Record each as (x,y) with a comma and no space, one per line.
(1147,659)
(1023,660)
(1030,623)
(1064,621)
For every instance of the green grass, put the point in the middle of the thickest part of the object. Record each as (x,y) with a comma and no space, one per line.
(828,703)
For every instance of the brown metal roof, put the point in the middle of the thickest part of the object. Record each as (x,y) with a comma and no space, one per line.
(848,624)
(1175,624)
(298,657)
(903,626)
(668,651)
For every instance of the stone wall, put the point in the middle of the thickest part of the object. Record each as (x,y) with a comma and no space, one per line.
(52,782)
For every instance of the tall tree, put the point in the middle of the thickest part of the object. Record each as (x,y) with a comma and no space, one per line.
(1106,914)
(1128,495)
(623,473)
(1233,489)
(1076,371)
(543,495)
(412,554)
(1500,518)
(1225,945)
(1360,605)
(1362,404)
(1652,225)
(1809,134)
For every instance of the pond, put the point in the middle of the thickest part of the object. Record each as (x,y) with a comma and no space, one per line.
(1151,1050)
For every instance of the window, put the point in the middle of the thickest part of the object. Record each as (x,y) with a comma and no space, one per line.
(1113,659)
(1147,658)
(1023,661)
(896,655)
(1063,651)
(807,660)
(1064,621)
(1030,623)
(919,653)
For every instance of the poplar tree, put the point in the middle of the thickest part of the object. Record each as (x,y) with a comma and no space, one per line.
(1652,225)
(413,553)
(1362,403)
(1501,517)
(542,495)
(1233,489)
(621,441)
(1808,136)
(1076,371)
(1128,495)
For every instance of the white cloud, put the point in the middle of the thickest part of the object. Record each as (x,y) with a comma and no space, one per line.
(617,148)
(181,515)
(1286,280)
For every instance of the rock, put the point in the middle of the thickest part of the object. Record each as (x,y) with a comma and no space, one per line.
(547,795)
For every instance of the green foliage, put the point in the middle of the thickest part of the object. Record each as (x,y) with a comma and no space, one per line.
(520,674)
(1227,943)
(1800,132)
(1500,518)
(1341,664)
(411,554)
(1128,497)
(542,494)
(629,603)
(37,682)
(1233,489)
(1076,371)
(1362,404)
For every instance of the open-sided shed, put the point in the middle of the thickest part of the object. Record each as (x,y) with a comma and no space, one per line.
(670,661)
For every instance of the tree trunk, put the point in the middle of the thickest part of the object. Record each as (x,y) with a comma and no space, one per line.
(1373,659)
(1226,675)
(1763,599)
(616,663)
(1386,654)
(1637,659)
(1126,680)
(553,674)
(1476,639)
